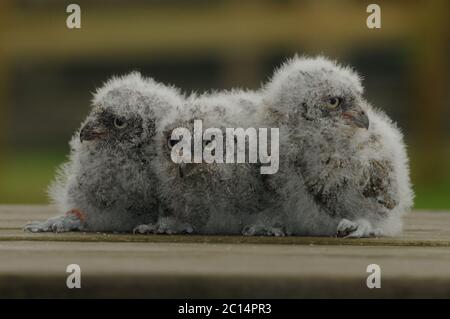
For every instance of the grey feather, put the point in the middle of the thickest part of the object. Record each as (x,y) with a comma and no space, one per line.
(108,183)
(336,175)
(343,164)
(216,198)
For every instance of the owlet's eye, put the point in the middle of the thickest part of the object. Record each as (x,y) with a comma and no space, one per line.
(119,123)
(171,142)
(333,102)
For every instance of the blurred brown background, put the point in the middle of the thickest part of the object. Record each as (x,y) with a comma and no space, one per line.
(47,71)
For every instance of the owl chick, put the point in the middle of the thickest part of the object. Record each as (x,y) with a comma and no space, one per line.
(207,197)
(108,183)
(343,165)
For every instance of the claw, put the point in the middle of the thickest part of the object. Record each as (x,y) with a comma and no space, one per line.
(345,228)
(255,230)
(357,229)
(72,220)
(144,229)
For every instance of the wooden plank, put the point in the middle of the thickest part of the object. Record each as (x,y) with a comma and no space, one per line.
(36,269)
(416,264)
(421,229)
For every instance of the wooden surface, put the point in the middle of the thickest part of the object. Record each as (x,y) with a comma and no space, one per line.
(415,264)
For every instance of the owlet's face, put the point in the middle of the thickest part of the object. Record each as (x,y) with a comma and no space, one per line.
(106,128)
(330,99)
(341,109)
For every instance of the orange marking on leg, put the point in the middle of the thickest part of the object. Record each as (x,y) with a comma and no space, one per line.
(78,214)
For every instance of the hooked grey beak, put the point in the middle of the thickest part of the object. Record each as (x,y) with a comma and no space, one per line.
(357,119)
(90,132)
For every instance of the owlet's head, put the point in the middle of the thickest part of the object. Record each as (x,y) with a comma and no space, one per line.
(319,93)
(125,111)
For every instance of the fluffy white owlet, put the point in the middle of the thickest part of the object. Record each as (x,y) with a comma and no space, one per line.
(343,165)
(208,197)
(108,183)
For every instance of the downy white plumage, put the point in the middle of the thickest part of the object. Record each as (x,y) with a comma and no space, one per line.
(343,166)
(108,183)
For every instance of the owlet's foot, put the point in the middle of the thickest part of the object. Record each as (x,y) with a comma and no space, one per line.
(357,229)
(73,220)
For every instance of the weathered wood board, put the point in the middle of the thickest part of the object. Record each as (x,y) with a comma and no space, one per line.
(415,264)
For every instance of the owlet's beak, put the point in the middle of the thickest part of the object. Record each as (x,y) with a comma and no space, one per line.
(357,119)
(91,131)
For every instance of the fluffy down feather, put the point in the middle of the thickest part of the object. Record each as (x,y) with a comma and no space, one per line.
(108,183)
(207,198)
(343,165)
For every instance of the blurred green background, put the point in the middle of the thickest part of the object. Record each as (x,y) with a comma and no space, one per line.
(47,71)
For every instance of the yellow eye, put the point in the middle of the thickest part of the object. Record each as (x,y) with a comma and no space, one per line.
(119,123)
(333,102)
